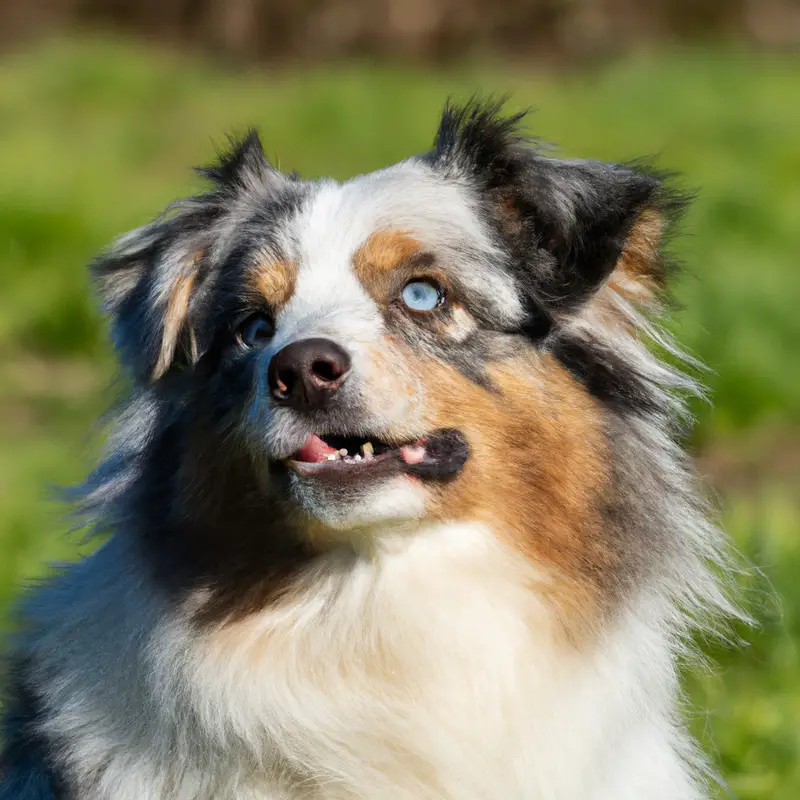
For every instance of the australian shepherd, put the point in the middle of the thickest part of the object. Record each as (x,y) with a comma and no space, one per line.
(396,506)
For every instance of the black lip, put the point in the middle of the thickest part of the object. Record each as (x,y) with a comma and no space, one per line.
(446,452)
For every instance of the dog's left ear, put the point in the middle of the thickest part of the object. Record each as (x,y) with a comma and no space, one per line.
(567,225)
(152,281)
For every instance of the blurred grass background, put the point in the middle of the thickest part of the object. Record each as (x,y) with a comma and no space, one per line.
(97,135)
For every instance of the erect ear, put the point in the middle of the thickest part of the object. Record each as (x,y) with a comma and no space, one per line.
(567,224)
(152,280)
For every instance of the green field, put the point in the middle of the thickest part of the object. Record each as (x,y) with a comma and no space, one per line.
(96,137)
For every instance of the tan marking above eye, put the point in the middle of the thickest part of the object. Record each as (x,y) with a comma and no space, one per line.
(274,281)
(383,251)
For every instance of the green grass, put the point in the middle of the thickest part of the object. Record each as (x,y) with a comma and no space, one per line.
(96,137)
(752,695)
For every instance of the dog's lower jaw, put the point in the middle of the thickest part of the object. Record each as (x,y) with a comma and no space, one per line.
(432,670)
(392,501)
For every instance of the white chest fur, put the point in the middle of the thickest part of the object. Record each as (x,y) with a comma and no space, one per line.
(427,670)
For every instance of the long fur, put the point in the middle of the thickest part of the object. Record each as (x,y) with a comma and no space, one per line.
(511,630)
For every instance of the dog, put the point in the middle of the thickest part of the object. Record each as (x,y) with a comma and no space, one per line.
(397,506)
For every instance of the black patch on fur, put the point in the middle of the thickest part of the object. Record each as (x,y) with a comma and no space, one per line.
(480,140)
(538,323)
(563,223)
(204,521)
(26,764)
(446,452)
(606,375)
(242,156)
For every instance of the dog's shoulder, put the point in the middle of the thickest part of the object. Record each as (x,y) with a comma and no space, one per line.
(26,763)
(77,647)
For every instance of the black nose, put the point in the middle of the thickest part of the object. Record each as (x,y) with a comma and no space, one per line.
(306,374)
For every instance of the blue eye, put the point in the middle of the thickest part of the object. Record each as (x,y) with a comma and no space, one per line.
(255,331)
(422,295)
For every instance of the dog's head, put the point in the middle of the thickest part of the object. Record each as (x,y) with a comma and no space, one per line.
(450,338)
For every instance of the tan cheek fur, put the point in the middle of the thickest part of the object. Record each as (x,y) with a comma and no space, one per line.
(392,385)
(536,473)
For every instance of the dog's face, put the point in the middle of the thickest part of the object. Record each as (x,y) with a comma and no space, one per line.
(424,342)
(359,305)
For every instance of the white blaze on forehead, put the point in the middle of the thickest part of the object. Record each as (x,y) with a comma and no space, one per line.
(328,297)
(339,218)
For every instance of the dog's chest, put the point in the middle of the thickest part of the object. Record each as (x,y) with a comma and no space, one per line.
(419,675)
(431,671)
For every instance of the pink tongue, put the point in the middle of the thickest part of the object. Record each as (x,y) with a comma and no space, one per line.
(314,450)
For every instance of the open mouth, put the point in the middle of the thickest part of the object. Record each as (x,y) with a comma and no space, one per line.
(440,454)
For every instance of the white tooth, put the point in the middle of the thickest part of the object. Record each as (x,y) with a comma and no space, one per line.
(331,456)
(357,457)
(367,450)
(343,451)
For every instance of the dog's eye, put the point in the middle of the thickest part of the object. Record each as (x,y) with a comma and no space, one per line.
(255,331)
(422,295)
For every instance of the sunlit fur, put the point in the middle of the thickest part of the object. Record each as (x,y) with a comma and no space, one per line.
(514,631)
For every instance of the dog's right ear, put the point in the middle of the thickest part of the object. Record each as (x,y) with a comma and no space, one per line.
(152,279)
